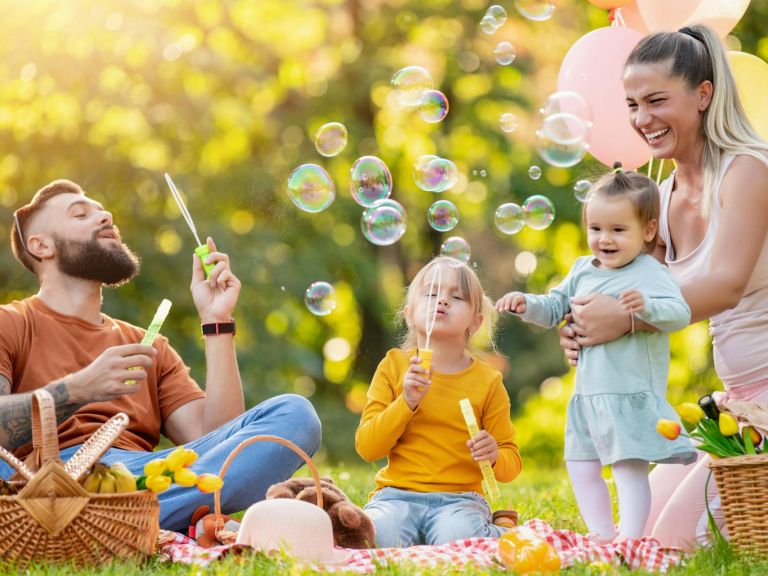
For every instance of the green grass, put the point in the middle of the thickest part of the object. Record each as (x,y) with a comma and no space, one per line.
(543,494)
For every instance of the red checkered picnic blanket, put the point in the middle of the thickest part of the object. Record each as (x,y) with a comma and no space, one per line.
(573,548)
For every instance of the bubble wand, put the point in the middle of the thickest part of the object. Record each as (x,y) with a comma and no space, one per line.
(202,250)
(425,354)
(154,328)
(490,486)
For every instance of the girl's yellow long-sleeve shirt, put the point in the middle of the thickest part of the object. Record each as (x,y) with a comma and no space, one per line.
(426,448)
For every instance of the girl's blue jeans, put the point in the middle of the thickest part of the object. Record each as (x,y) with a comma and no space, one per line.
(404,518)
(249,475)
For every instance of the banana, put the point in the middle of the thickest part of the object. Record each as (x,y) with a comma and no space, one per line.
(92,482)
(124,480)
(107,485)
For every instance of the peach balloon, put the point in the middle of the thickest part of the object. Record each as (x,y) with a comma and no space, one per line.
(630,17)
(751,75)
(594,67)
(608,4)
(666,15)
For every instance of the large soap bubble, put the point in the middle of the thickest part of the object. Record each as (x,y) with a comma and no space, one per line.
(384,223)
(370,180)
(311,188)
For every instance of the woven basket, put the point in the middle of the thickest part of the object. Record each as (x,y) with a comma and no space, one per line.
(227,537)
(742,482)
(53,519)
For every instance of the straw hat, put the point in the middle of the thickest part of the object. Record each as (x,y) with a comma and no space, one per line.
(301,529)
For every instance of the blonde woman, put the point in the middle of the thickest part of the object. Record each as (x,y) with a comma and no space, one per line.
(682,99)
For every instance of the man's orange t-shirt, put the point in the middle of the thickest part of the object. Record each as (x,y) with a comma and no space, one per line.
(39,346)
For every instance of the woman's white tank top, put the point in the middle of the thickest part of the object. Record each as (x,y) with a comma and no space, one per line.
(739,334)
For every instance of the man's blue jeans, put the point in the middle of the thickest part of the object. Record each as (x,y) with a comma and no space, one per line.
(254,470)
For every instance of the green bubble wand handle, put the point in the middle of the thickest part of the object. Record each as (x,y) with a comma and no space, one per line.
(490,486)
(154,328)
(202,250)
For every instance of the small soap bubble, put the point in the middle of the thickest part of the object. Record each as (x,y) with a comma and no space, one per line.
(508,122)
(433,106)
(320,298)
(509,218)
(560,144)
(504,53)
(537,10)
(488,25)
(534,172)
(370,180)
(456,247)
(435,174)
(331,139)
(410,83)
(311,188)
(383,223)
(581,190)
(539,212)
(497,14)
(483,173)
(443,215)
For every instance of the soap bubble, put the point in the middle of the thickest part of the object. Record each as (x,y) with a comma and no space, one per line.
(433,106)
(443,215)
(488,25)
(568,102)
(558,145)
(410,83)
(534,172)
(370,180)
(435,174)
(539,212)
(582,189)
(320,298)
(504,53)
(311,188)
(331,139)
(508,122)
(538,10)
(456,247)
(383,223)
(509,218)
(497,14)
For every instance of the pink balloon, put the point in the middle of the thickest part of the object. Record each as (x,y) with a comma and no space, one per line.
(594,67)
(666,15)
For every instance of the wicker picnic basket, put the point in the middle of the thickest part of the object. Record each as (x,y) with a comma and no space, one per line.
(53,519)
(227,537)
(742,483)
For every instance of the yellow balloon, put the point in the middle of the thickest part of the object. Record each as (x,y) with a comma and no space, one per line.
(751,74)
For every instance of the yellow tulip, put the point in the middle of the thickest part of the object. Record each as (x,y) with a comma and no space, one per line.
(176,459)
(185,477)
(190,457)
(728,425)
(754,434)
(209,483)
(158,484)
(154,467)
(690,413)
(668,428)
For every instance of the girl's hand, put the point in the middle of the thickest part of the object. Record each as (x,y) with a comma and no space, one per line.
(598,319)
(415,383)
(632,301)
(511,302)
(484,447)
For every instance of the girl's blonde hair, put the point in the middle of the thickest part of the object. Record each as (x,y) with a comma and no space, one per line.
(639,189)
(697,55)
(470,287)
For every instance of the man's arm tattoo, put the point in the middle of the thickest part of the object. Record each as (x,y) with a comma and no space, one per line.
(16,412)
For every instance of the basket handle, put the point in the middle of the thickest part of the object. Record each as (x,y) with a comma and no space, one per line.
(20,467)
(45,439)
(94,448)
(264,438)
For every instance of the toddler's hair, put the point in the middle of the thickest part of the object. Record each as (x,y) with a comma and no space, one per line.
(641,191)
(470,287)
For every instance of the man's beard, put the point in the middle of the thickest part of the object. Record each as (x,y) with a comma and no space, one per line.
(89,260)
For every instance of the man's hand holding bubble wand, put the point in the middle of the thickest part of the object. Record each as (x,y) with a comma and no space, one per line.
(154,328)
(202,250)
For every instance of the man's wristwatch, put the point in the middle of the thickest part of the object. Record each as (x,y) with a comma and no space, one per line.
(216,328)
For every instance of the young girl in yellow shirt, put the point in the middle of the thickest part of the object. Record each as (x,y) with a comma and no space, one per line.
(430,490)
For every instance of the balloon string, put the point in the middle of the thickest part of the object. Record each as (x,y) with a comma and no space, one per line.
(658,174)
(650,167)
(430,326)
(619,18)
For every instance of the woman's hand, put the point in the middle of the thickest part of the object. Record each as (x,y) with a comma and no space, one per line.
(568,340)
(598,319)
(415,383)
(484,447)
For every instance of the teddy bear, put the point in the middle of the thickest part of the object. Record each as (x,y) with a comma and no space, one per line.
(352,528)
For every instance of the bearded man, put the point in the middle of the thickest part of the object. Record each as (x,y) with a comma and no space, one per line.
(94,366)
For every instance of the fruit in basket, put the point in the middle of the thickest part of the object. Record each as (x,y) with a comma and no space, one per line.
(105,479)
(124,480)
